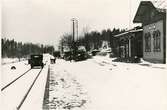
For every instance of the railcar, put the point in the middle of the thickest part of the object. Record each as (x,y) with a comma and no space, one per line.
(36,61)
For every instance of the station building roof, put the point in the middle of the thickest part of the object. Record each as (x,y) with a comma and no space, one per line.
(159,5)
(128,32)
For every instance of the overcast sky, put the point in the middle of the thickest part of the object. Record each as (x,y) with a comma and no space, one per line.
(44,21)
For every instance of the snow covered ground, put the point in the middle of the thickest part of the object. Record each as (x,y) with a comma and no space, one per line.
(34,101)
(9,74)
(94,84)
(65,91)
(111,85)
(10,60)
(12,96)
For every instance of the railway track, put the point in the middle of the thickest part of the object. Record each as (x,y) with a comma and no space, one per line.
(15,80)
(29,87)
(25,96)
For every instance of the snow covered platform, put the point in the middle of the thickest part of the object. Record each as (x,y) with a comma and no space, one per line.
(107,85)
(64,91)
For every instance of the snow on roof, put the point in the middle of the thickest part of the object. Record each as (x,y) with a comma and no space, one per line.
(121,34)
(160,4)
(129,31)
(136,30)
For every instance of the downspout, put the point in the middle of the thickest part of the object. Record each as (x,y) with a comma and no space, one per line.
(129,46)
(165,41)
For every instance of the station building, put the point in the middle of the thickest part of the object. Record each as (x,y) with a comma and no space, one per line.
(130,43)
(153,19)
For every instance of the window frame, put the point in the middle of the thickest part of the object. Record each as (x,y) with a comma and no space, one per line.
(147,38)
(157,41)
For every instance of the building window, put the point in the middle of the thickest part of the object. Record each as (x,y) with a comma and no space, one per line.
(157,41)
(147,37)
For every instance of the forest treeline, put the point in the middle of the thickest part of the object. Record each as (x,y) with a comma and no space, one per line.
(91,40)
(11,48)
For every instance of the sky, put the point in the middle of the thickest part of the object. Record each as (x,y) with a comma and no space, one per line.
(45,21)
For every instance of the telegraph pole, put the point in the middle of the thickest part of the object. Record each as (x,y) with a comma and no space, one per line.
(74,25)
(77,28)
(72,45)
(73,29)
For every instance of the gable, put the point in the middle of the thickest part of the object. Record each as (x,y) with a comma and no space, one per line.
(147,13)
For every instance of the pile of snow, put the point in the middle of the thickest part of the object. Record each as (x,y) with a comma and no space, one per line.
(108,50)
(47,57)
(153,65)
(82,48)
(9,60)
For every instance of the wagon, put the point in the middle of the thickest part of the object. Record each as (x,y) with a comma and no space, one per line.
(52,60)
(36,61)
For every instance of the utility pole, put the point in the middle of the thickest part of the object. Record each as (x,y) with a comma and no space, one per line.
(73,29)
(74,25)
(77,28)
(130,14)
(73,37)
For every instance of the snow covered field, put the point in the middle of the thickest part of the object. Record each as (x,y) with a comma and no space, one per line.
(116,86)
(10,60)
